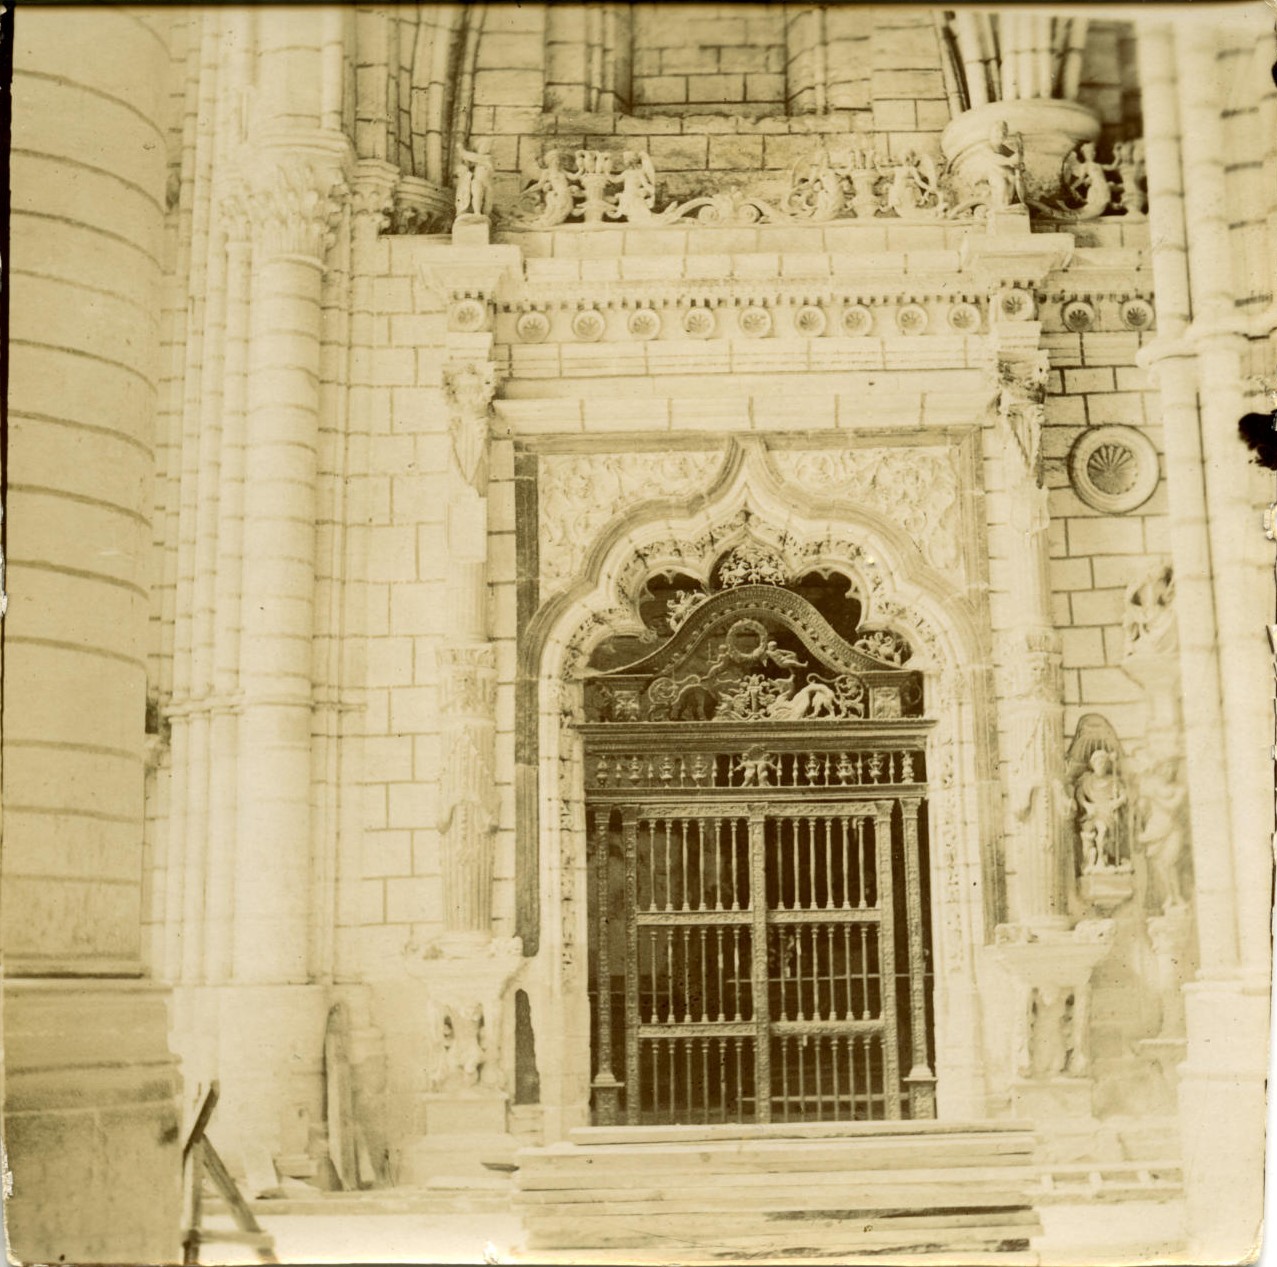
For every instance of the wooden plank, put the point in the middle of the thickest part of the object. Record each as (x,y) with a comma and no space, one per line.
(748,1188)
(692,1160)
(770,1194)
(207,1105)
(860,1131)
(893,1205)
(339,1099)
(722,1234)
(243,1216)
(852,1224)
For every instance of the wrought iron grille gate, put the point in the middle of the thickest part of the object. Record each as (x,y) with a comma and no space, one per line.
(757,850)
(764,954)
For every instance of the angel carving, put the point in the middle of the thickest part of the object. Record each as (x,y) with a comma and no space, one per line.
(915,186)
(1086,180)
(638,188)
(554,186)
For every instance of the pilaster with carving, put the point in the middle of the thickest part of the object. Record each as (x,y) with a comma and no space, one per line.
(1029,648)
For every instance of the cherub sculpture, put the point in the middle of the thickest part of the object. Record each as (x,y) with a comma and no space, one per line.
(1086,179)
(638,188)
(473,177)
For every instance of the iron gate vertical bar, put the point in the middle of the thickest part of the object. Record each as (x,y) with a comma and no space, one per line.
(607,1090)
(629,831)
(762,1005)
(887,959)
(920,1083)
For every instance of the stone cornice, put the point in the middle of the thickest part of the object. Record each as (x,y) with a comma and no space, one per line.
(467,272)
(1025,259)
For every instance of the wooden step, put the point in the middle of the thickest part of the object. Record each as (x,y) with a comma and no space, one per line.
(910,1188)
(728,1234)
(587,1136)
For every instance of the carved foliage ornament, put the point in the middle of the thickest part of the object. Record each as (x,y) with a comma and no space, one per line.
(295,206)
(916,488)
(578,494)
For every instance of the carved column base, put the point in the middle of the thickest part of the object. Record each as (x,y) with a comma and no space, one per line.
(1051,129)
(1051,1045)
(420,206)
(461,1119)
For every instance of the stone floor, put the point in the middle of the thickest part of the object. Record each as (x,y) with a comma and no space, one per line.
(411,1228)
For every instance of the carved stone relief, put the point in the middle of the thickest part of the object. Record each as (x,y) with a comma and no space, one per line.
(581,493)
(916,488)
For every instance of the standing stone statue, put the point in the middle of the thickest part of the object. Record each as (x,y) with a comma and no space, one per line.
(473,176)
(1100,795)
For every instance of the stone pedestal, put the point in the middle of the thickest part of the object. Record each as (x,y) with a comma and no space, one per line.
(462,1117)
(1106,889)
(1051,1056)
(470,230)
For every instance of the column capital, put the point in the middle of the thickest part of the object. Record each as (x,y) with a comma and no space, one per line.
(294,200)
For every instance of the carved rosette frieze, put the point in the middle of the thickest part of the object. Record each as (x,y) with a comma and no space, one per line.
(468,803)
(580,494)
(916,488)
(468,388)
(295,203)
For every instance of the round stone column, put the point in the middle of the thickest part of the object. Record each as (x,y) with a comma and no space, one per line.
(90,1085)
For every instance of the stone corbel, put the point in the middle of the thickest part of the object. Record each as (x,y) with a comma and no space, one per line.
(1019,378)
(469,386)
(374,191)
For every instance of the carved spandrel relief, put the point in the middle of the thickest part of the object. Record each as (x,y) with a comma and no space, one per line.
(580,493)
(916,488)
